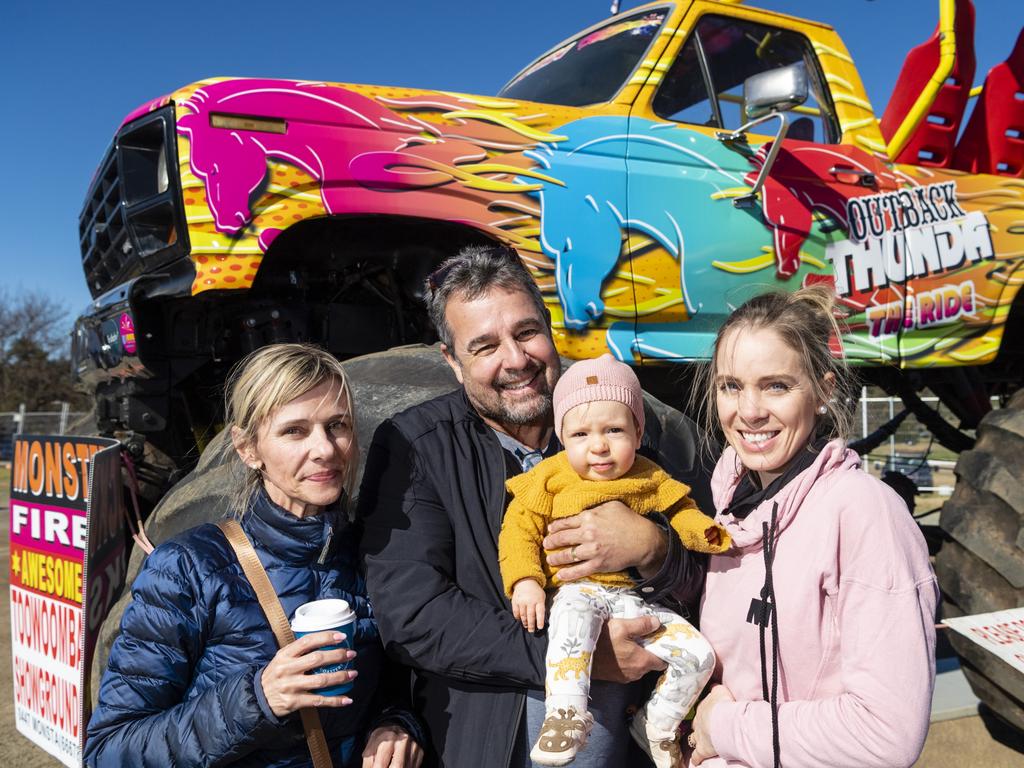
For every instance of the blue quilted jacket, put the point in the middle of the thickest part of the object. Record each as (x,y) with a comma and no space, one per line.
(180,688)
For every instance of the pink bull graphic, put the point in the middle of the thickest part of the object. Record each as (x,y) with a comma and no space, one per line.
(354,148)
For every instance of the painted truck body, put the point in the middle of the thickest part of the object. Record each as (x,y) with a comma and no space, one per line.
(623,209)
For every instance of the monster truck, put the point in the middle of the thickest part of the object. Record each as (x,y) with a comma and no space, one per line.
(653,172)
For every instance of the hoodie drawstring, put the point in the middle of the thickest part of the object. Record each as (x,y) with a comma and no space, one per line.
(768,613)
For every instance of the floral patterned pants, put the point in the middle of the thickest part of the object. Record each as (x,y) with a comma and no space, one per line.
(577,613)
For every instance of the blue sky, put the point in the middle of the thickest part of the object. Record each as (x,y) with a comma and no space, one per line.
(74,69)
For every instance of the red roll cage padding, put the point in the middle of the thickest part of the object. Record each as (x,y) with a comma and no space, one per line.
(993,141)
(933,140)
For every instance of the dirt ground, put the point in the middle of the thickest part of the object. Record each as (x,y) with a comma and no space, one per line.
(968,742)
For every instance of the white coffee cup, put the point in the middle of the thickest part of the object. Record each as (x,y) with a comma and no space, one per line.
(331,614)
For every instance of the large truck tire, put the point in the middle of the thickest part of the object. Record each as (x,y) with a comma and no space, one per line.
(982,568)
(383,384)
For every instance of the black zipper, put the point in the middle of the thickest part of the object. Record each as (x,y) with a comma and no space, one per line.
(327,543)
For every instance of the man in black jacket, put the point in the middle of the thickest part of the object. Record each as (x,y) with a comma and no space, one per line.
(433,499)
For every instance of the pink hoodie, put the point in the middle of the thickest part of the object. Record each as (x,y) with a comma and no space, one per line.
(856,600)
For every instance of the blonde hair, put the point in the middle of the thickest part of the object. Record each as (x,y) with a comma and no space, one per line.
(269,378)
(805,321)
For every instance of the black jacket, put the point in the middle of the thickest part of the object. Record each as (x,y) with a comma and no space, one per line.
(432,501)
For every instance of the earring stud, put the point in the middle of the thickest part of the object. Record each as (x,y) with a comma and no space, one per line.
(822,410)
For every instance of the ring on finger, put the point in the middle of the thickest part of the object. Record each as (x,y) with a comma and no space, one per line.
(692,740)
(572,553)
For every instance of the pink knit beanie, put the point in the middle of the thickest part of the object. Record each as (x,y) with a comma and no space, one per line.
(602,379)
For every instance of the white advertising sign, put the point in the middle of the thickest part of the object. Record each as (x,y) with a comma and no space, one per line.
(67,549)
(1001,632)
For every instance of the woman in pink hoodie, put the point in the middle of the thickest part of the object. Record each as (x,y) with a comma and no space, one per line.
(822,614)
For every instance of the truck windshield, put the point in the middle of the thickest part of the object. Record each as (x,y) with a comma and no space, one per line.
(591,68)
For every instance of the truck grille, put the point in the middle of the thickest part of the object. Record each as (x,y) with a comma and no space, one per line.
(132,222)
(106,250)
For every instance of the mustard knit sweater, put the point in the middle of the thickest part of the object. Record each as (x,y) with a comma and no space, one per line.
(552,489)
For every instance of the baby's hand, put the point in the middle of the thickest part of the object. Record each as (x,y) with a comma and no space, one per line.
(528,604)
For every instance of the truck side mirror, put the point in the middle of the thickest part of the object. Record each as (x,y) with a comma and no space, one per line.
(776,90)
(766,96)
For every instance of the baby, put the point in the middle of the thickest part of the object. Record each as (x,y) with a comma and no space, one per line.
(599,417)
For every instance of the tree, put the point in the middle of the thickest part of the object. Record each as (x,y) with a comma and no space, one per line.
(35,366)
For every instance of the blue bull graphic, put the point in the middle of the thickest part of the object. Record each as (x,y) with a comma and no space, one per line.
(677,191)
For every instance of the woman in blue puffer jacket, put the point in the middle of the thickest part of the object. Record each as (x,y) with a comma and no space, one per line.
(196,677)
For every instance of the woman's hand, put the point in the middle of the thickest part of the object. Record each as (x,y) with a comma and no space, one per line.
(528,604)
(287,686)
(603,539)
(390,746)
(702,723)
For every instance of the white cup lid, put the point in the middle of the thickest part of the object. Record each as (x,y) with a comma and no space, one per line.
(322,614)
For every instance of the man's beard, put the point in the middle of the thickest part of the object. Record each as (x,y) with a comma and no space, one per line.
(534,411)
(519,415)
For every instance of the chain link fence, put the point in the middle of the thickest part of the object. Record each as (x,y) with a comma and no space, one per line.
(22,422)
(911,450)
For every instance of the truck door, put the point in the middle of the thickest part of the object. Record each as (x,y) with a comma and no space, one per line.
(684,181)
(583,201)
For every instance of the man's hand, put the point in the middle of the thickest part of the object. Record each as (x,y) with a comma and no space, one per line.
(618,657)
(528,604)
(604,539)
(702,723)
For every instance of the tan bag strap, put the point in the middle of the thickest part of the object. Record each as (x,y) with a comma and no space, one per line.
(257,576)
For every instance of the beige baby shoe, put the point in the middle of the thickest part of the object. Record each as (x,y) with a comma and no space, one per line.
(563,734)
(660,745)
